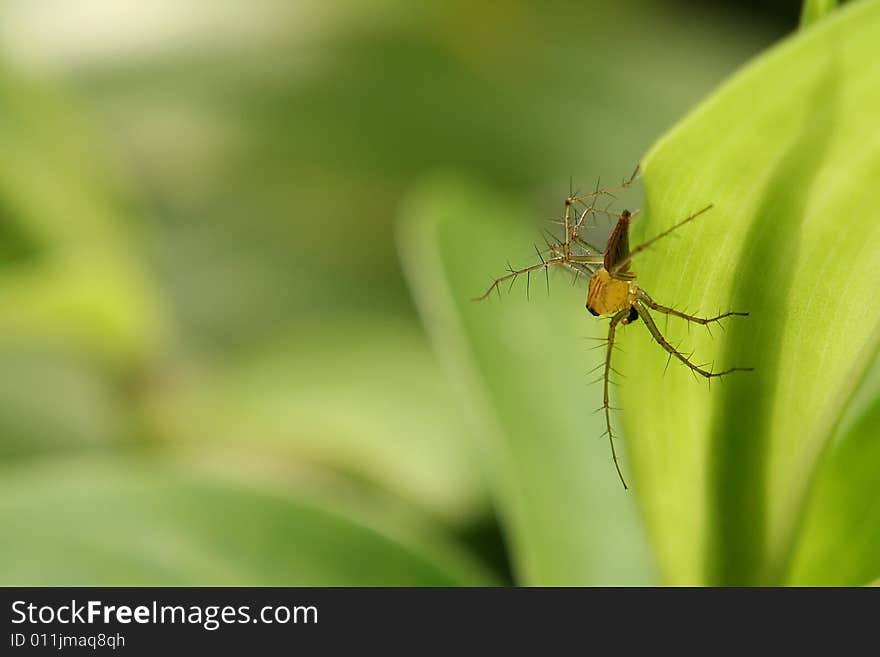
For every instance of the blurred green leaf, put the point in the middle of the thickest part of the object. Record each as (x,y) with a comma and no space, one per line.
(93,300)
(521,372)
(814,10)
(53,402)
(68,273)
(788,153)
(93,523)
(361,395)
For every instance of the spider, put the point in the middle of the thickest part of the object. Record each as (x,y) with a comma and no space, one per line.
(613,291)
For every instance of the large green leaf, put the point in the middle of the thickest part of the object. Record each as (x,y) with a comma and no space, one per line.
(521,370)
(102,524)
(788,152)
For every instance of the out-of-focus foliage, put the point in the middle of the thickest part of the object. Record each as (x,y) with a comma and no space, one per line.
(69,277)
(815,10)
(153,526)
(339,404)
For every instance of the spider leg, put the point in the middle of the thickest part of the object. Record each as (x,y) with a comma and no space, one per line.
(584,243)
(621,316)
(622,265)
(591,261)
(643,312)
(545,264)
(690,318)
(603,191)
(575,235)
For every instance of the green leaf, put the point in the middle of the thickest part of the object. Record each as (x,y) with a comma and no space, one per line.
(325,394)
(814,10)
(68,272)
(788,152)
(103,524)
(50,404)
(521,369)
(840,542)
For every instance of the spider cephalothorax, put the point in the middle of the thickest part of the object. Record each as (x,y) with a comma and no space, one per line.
(613,290)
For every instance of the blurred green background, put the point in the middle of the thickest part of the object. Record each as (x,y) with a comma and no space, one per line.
(214,370)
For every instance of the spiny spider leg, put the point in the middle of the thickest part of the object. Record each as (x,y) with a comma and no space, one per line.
(589,259)
(677,313)
(607,190)
(643,312)
(570,262)
(621,316)
(622,265)
(583,242)
(544,264)
(576,229)
(571,232)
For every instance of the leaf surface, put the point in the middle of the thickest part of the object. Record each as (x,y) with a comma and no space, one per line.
(788,152)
